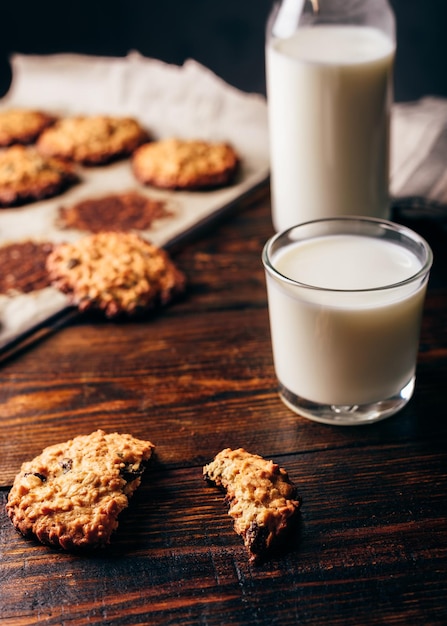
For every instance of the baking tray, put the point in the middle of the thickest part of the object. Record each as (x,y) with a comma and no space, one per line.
(230,115)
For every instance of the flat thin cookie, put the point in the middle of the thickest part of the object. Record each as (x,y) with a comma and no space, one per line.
(23,266)
(262,499)
(92,140)
(27,176)
(115,272)
(71,495)
(23,126)
(118,211)
(185,164)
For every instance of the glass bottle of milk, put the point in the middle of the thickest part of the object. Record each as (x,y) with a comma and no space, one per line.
(329,89)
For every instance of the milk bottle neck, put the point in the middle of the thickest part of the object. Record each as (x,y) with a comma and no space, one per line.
(288,16)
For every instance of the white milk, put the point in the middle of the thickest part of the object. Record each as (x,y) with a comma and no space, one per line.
(329,98)
(347,347)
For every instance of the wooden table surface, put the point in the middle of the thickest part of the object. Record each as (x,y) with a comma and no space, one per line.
(371,543)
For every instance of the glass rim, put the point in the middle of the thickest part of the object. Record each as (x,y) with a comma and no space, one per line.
(385,225)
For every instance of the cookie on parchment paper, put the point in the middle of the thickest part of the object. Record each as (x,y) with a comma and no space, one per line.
(27,176)
(119,273)
(71,495)
(263,500)
(185,164)
(92,140)
(23,126)
(23,266)
(117,211)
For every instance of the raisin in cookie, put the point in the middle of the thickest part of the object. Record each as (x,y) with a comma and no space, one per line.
(92,140)
(26,176)
(22,125)
(185,164)
(116,272)
(261,496)
(70,495)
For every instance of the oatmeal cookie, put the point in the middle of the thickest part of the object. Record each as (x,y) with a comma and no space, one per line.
(116,272)
(26,176)
(185,164)
(261,497)
(119,211)
(70,495)
(92,140)
(22,125)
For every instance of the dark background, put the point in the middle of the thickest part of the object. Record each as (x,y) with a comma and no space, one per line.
(226,36)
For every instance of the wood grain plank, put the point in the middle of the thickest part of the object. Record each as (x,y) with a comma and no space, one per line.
(362,552)
(201,370)
(371,545)
(204,391)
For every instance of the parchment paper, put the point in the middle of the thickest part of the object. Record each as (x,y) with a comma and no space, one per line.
(187,101)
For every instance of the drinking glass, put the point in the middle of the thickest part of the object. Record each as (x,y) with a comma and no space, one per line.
(345,299)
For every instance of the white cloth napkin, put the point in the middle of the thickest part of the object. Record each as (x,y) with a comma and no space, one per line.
(419,150)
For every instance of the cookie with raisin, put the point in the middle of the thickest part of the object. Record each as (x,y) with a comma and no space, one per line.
(70,495)
(119,273)
(263,501)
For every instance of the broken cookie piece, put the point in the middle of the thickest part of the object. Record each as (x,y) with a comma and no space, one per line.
(263,500)
(70,495)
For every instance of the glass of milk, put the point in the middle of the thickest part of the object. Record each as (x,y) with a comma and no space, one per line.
(329,92)
(345,298)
